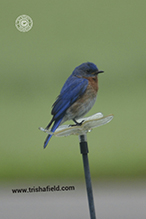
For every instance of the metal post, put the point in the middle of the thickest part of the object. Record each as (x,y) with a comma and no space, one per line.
(84,152)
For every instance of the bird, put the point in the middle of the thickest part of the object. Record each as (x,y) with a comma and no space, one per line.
(76,97)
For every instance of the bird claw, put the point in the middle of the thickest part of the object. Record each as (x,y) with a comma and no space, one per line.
(77,123)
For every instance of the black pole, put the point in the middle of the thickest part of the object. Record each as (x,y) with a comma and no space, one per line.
(84,152)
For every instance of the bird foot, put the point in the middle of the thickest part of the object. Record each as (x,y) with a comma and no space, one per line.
(77,123)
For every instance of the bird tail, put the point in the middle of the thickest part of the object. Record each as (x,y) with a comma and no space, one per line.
(55,126)
(50,123)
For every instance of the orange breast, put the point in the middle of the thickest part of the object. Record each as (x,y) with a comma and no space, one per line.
(93,83)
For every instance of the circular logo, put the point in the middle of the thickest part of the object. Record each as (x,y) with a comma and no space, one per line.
(24,23)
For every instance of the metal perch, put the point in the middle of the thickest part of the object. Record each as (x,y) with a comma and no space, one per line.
(89,123)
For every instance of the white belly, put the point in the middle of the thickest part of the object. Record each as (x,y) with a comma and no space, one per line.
(80,107)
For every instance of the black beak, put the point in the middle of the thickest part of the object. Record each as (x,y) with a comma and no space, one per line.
(97,72)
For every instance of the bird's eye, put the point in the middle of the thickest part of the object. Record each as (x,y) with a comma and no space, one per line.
(88,71)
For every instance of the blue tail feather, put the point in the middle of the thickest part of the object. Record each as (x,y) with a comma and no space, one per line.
(55,126)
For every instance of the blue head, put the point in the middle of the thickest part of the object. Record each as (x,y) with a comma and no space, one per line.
(87,69)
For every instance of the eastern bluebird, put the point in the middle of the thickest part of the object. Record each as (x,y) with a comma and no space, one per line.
(76,98)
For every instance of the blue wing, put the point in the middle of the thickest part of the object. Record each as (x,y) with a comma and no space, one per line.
(73,89)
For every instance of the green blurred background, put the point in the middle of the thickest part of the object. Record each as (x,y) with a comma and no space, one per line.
(35,65)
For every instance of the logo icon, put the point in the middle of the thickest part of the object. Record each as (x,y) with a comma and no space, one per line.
(24,23)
